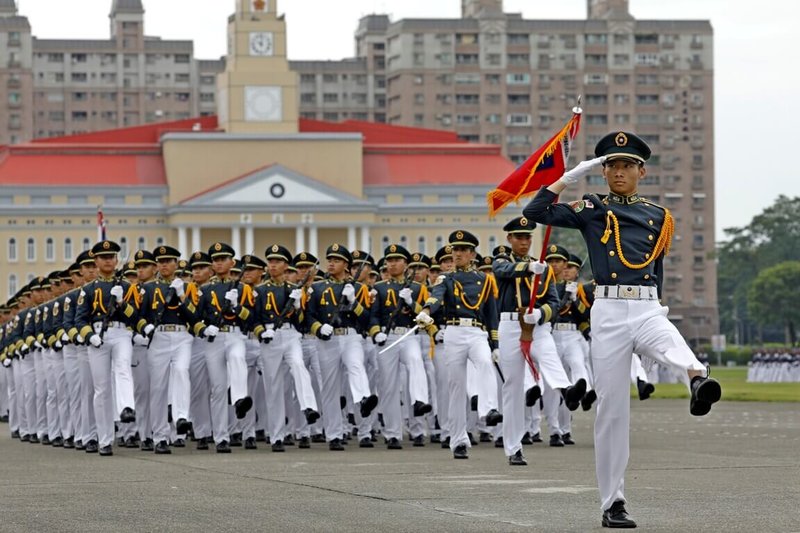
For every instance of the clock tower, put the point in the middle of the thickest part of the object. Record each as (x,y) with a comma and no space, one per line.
(257,93)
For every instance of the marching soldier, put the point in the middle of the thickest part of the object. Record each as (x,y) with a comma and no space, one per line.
(103,318)
(627,238)
(70,279)
(470,312)
(140,271)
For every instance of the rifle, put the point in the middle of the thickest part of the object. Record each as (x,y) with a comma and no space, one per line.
(287,310)
(112,309)
(159,315)
(342,307)
(393,317)
(227,307)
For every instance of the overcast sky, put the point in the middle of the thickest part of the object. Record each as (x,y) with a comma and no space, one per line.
(756,58)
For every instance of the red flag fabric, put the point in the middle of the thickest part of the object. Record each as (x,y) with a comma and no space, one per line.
(101,225)
(541,169)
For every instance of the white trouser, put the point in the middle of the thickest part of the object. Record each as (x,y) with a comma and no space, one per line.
(199,408)
(259,390)
(4,396)
(341,351)
(620,327)
(169,358)
(225,361)
(19,387)
(40,386)
(53,420)
(252,357)
(13,403)
(28,372)
(637,370)
(372,368)
(311,361)
(587,359)
(426,347)
(72,374)
(114,354)
(568,345)
(407,352)
(57,374)
(462,344)
(515,369)
(442,391)
(88,429)
(140,372)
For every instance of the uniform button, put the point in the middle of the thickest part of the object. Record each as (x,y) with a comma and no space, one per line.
(650,222)
(647,276)
(458,307)
(650,237)
(613,275)
(611,253)
(479,283)
(647,256)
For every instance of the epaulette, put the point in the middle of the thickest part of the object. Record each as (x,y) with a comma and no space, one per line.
(645,201)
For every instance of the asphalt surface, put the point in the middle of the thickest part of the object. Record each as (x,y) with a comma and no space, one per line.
(737,469)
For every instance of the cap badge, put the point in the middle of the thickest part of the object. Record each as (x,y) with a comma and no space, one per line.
(356,254)
(274,247)
(554,248)
(140,254)
(523,222)
(459,235)
(218,247)
(162,250)
(198,255)
(303,256)
(106,245)
(393,248)
(448,249)
(621,139)
(335,247)
(416,257)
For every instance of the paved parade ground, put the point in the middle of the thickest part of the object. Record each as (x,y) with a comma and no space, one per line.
(737,469)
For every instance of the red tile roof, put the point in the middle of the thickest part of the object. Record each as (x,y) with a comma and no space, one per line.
(148,133)
(376,133)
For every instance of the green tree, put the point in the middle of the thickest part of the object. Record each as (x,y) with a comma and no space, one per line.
(772,297)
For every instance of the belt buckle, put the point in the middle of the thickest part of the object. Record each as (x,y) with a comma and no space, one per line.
(339,331)
(465,322)
(629,292)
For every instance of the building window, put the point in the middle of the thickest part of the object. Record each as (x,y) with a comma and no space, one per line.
(492,244)
(421,244)
(12,250)
(31,249)
(49,250)
(404,241)
(67,249)
(87,243)
(123,245)
(141,244)
(384,242)
(159,241)
(439,242)
(12,285)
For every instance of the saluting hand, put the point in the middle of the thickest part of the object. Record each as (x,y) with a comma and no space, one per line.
(571,177)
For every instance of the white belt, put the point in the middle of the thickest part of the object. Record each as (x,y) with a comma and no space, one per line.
(565,326)
(344,331)
(171,328)
(399,331)
(97,326)
(229,329)
(509,316)
(627,292)
(285,325)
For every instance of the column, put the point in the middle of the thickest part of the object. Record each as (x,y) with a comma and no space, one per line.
(195,238)
(182,241)
(351,238)
(312,241)
(236,240)
(365,239)
(299,239)
(249,241)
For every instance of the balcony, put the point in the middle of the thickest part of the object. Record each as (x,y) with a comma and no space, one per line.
(697,144)
(14,126)
(696,65)
(14,84)
(14,42)
(696,45)
(14,63)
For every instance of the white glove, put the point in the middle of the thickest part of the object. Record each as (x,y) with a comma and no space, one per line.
(572,289)
(380,338)
(326,330)
(148,329)
(268,335)
(64,338)
(297,296)
(210,331)
(6,363)
(233,297)
(95,340)
(349,293)
(537,267)
(24,349)
(139,340)
(372,295)
(38,345)
(58,345)
(79,339)
(405,295)
(424,319)
(439,337)
(177,284)
(533,317)
(583,168)
(116,292)
(496,355)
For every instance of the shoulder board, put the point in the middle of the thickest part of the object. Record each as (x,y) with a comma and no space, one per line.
(647,202)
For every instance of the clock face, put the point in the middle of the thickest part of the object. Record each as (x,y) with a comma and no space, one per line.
(263,104)
(261,43)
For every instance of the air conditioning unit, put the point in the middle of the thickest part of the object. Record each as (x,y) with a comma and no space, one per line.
(159,113)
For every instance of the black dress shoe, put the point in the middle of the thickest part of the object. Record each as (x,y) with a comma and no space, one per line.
(69,443)
(79,445)
(435,438)
(517,459)
(45,440)
(304,443)
(645,389)
(202,443)
(472,441)
(183,426)
(250,443)
(705,391)
(311,416)
(556,441)
(277,446)
(179,443)
(567,438)
(498,442)
(526,439)
(368,403)
(106,451)
(342,402)
(366,442)
(536,437)
(147,445)
(288,440)
(127,415)
(484,437)
(446,443)
(617,517)
(319,438)
(34,439)
(473,403)
(243,405)
(57,442)
(418,441)
(131,442)
(121,441)
(261,435)
(15,434)
(394,444)
(335,445)
(91,446)
(588,399)
(236,439)
(460,452)
(573,394)
(162,448)
(224,447)
(25,438)
(532,395)
(422,408)
(351,419)
(493,418)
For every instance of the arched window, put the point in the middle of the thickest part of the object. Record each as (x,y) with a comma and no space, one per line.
(142,244)
(12,285)
(30,277)
(31,249)
(404,241)
(384,243)
(439,242)
(492,244)
(87,244)
(421,244)
(123,245)
(159,241)
(67,249)
(12,250)
(49,250)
